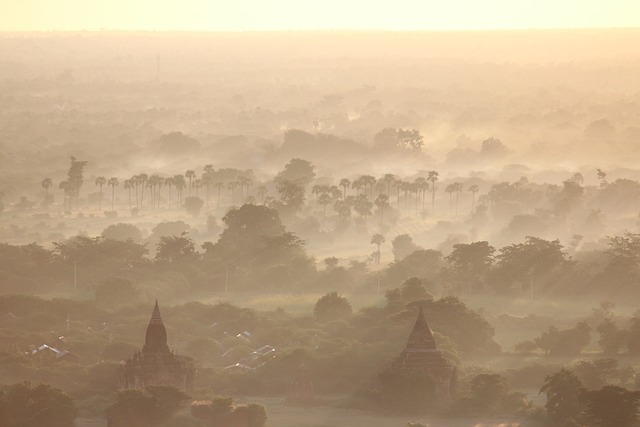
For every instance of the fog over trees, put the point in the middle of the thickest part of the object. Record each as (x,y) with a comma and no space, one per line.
(320,228)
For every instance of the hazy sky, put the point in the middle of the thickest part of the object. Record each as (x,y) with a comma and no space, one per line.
(239,15)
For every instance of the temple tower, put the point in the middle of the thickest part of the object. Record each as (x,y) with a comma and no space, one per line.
(421,353)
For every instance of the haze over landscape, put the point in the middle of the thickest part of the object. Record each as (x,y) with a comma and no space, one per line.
(333,214)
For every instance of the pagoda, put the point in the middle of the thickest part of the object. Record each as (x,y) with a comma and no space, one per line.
(422,354)
(156,364)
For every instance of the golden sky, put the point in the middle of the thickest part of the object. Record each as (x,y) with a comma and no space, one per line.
(256,15)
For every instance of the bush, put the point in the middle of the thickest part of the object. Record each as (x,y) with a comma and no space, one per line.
(332,307)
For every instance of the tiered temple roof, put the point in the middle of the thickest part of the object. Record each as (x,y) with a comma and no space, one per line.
(421,353)
(156,364)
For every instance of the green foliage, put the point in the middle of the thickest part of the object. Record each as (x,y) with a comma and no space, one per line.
(566,342)
(532,260)
(563,390)
(193,205)
(36,406)
(471,262)
(175,249)
(332,306)
(611,406)
(403,246)
(612,339)
(123,232)
(150,407)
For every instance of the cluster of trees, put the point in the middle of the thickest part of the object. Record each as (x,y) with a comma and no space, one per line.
(570,403)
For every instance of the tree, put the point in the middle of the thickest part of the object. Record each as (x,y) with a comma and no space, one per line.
(528,262)
(46,184)
(208,178)
(193,205)
(122,232)
(471,262)
(612,339)
(377,239)
(410,139)
(100,181)
(563,390)
(422,185)
(450,189)
(174,249)
(403,246)
(344,183)
(611,406)
(75,177)
(363,206)
(113,182)
(473,189)
(43,405)
(565,342)
(190,174)
(433,178)
(128,184)
(298,171)
(382,201)
(180,184)
(137,408)
(389,179)
(331,306)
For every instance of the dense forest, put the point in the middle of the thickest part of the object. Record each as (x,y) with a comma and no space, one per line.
(293,208)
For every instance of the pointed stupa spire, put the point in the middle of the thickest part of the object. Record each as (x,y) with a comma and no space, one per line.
(156,337)
(421,338)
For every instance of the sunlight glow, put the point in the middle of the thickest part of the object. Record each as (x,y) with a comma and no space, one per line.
(259,15)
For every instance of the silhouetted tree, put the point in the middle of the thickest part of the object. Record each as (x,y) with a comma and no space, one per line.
(377,239)
(563,390)
(113,182)
(433,178)
(611,406)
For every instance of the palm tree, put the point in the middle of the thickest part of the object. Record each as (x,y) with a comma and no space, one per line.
(370,181)
(357,184)
(190,174)
(324,200)
(382,201)
(180,184)
(389,179)
(64,186)
(154,182)
(457,188)
(423,186)
(128,184)
(474,189)
(46,183)
(101,180)
(450,189)
(344,183)
(113,181)
(208,178)
(377,239)
(432,178)
(168,181)
(160,182)
(142,178)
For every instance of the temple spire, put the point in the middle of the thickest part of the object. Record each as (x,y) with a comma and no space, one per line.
(421,338)
(156,336)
